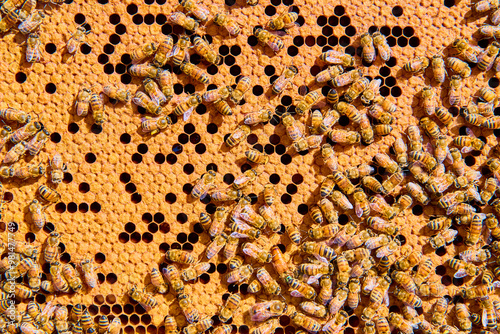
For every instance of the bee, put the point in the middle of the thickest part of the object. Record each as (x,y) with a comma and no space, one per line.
(316,120)
(345,233)
(114,92)
(26,131)
(154,125)
(382,225)
(379,294)
(236,262)
(103,324)
(196,271)
(487,95)
(223,20)
(368,46)
(219,94)
(201,13)
(190,312)
(492,223)
(468,143)
(372,183)
(163,51)
(35,277)
(261,116)
(87,321)
(186,107)
(487,57)
(179,256)
(241,229)
(241,89)
(383,48)
(396,320)
(331,215)
(350,111)
(203,184)
(312,269)
(269,194)
(225,329)
(404,280)
(326,292)
(179,51)
(145,70)
(230,307)
(478,291)
(76,39)
(485,5)
(463,268)
(291,126)
(381,129)
(442,238)
(431,289)
(89,273)
(475,229)
(467,51)
(216,245)
(158,282)
(182,20)
(377,241)
(361,204)
(492,122)
(336,324)
(404,202)
(454,94)
(34,51)
(240,274)
(359,171)
(388,249)
(174,278)
(329,74)
(143,52)
(354,293)
(305,104)
(319,250)
(204,50)
(359,239)
(284,21)
(284,80)
(341,200)
(377,112)
(419,64)
(14,115)
(247,178)
(439,223)
(489,31)
(337,58)
(271,287)
(269,216)
(278,261)
(195,72)
(199,327)
(58,280)
(314,309)
(444,115)
(344,136)
(392,182)
(72,277)
(344,271)
(29,171)
(458,66)
(356,89)
(51,250)
(347,78)
(256,252)
(309,324)
(97,107)
(438,68)
(488,318)
(266,38)
(115,326)
(426,159)
(463,317)
(154,91)
(145,299)
(223,195)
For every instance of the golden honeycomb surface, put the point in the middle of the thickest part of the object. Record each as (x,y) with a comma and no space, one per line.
(124,199)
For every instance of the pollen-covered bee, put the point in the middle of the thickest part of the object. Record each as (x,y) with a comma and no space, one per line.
(163,52)
(269,39)
(199,11)
(184,21)
(344,136)
(257,117)
(383,48)
(154,125)
(329,74)
(223,20)
(368,52)
(142,52)
(34,53)
(417,65)
(438,68)
(203,184)
(356,89)
(458,66)
(284,79)
(186,107)
(76,39)
(117,93)
(195,72)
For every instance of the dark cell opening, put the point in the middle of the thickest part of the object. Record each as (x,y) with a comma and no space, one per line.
(79,18)
(344,41)
(408,31)
(345,21)
(397,11)
(50,88)
(120,29)
(21,77)
(449,3)
(90,158)
(137,19)
(339,10)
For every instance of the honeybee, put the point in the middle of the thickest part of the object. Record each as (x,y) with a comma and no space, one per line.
(117,93)
(243,86)
(196,271)
(230,307)
(377,112)
(215,95)
(354,293)
(347,78)
(145,299)
(265,37)
(34,53)
(489,31)
(356,89)
(454,94)
(463,317)
(51,250)
(278,261)
(431,289)
(337,58)
(240,274)
(318,250)
(142,52)
(76,39)
(158,282)
(261,116)
(181,19)
(96,104)
(329,74)
(256,252)
(475,229)
(174,278)
(179,51)
(307,102)
(89,273)
(240,229)
(72,277)
(336,324)
(286,77)
(345,233)
(200,12)
(359,171)
(344,136)
(381,129)
(383,48)
(265,310)
(379,294)
(396,320)
(58,281)
(257,157)
(467,51)
(326,292)
(224,329)
(309,324)
(186,107)
(458,66)
(492,223)
(203,184)
(463,268)
(26,131)
(439,223)
(145,70)
(29,171)
(163,52)
(331,215)
(392,182)
(438,68)
(268,214)
(154,91)
(488,318)
(426,159)
(284,21)
(442,238)
(341,200)
(444,115)
(270,285)
(195,72)
(223,20)
(359,239)
(372,183)
(179,256)
(190,312)
(218,242)
(487,57)
(361,204)
(154,125)
(419,64)
(382,225)
(368,52)
(223,195)
(377,241)
(468,143)
(203,48)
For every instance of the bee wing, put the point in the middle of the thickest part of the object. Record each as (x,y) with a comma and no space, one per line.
(146,307)
(484,318)
(466,149)
(386,298)
(295,293)
(314,279)
(187,114)
(175,50)
(358,210)
(460,273)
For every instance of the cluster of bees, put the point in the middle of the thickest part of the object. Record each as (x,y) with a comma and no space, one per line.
(23,264)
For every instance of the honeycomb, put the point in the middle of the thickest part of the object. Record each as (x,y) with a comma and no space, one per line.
(133,190)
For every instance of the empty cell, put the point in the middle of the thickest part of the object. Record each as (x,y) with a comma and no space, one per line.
(321,41)
(310,41)
(339,10)
(200,148)
(292,51)
(182,237)
(345,21)
(402,41)
(83,207)
(286,199)
(149,18)
(414,42)
(138,19)
(327,31)
(125,78)
(55,137)
(408,31)
(286,159)
(322,20)
(449,3)
(396,91)
(147,237)
(164,247)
